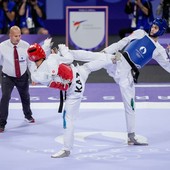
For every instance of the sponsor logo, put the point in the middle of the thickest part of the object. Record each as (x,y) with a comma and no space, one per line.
(141,51)
(77,24)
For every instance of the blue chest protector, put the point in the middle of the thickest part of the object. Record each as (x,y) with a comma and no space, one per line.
(140,51)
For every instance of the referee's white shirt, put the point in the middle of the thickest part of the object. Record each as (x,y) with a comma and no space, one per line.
(7,57)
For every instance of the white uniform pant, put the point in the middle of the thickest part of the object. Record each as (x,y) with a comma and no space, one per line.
(121,72)
(123,77)
(74,96)
(72,105)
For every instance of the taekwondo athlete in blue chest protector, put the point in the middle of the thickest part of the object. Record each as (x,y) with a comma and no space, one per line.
(135,51)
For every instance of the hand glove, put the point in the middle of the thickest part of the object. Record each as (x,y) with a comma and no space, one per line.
(58,85)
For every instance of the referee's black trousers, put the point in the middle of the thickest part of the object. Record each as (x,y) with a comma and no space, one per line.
(7,86)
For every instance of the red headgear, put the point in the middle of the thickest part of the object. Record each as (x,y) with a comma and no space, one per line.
(35,52)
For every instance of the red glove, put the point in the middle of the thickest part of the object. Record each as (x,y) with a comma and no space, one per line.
(58,85)
(65,72)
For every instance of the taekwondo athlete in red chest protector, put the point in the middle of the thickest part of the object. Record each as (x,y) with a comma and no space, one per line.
(135,51)
(57,71)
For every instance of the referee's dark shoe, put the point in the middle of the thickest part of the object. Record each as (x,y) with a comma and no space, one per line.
(30,119)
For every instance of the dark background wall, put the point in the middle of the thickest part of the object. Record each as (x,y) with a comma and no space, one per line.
(56,12)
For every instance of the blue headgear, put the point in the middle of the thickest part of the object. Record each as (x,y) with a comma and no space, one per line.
(162,24)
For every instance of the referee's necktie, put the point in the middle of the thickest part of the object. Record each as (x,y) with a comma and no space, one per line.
(16,61)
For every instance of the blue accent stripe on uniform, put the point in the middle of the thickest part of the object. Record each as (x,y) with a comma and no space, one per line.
(64,120)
